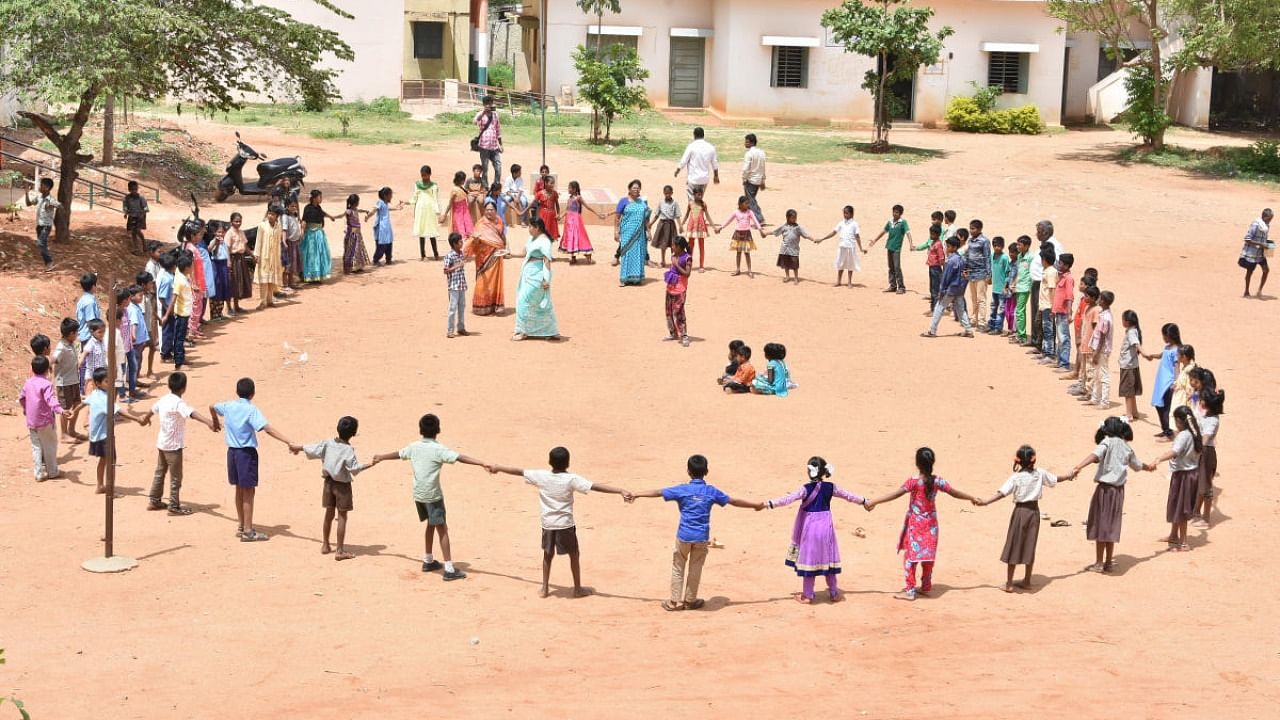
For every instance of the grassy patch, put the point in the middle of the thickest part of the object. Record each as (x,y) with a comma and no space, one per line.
(1220,162)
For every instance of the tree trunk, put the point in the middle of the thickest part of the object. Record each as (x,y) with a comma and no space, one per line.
(882,107)
(595,114)
(109,131)
(71,158)
(1158,90)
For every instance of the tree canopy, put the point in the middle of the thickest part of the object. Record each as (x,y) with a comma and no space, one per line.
(610,85)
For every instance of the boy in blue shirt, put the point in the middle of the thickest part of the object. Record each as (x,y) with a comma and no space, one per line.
(695,499)
(951,290)
(241,422)
(87,306)
(97,404)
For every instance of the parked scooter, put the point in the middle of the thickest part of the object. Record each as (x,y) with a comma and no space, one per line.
(269,171)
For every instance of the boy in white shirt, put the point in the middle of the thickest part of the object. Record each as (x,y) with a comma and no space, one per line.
(555,491)
(172,412)
(515,195)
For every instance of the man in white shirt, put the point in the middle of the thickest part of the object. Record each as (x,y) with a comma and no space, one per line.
(555,491)
(753,172)
(1044,234)
(702,164)
(172,412)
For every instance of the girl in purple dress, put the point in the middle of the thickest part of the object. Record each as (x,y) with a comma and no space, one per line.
(814,550)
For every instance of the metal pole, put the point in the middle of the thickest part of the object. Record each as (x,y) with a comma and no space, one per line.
(542,67)
(112,369)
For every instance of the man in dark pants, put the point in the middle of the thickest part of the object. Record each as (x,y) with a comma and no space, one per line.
(1044,235)
(753,172)
(489,143)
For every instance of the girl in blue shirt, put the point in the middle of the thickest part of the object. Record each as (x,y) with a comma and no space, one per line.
(1166,373)
(776,379)
(382,226)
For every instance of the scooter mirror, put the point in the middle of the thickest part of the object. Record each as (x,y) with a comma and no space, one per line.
(237,134)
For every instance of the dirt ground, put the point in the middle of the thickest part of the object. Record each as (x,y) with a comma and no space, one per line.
(209,627)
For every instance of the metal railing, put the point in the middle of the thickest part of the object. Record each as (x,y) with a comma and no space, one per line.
(94,192)
(473,94)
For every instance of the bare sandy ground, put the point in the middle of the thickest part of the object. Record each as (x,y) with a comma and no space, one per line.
(208,627)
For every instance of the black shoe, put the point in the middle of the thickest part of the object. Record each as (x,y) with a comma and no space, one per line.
(455,575)
(433,565)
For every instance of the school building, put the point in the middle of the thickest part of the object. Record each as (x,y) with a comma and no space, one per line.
(761,60)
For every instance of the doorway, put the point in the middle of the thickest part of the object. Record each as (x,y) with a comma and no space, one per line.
(903,94)
(687,56)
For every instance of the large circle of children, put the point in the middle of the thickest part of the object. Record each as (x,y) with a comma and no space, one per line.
(1024,291)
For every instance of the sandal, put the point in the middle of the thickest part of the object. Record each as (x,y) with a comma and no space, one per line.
(672,606)
(695,604)
(157,506)
(252,536)
(1059,523)
(180,510)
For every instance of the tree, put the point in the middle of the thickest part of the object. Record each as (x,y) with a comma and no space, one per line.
(1147,87)
(209,52)
(609,85)
(598,8)
(898,38)
(1229,34)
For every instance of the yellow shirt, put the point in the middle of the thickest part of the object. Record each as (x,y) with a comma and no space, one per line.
(181,295)
(1047,285)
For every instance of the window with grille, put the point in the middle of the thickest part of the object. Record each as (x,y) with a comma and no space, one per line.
(603,41)
(428,40)
(790,67)
(1008,70)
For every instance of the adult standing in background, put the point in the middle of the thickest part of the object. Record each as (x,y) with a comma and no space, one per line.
(702,165)
(753,172)
(1044,235)
(488,142)
(1253,253)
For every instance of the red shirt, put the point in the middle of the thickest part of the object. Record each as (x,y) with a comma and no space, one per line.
(936,255)
(1063,293)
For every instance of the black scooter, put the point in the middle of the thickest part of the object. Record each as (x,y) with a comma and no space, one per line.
(269,171)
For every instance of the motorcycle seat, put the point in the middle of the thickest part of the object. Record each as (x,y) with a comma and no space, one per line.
(275,167)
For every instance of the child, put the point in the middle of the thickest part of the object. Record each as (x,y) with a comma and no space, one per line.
(241,422)
(1130,373)
(951,290)
(665,220)
(1086,317)
(575,239)
(1048,284)
(696,219)
(338,468)
(896,228)
(154,251)
(291,261)
(743,220)
(919,538)
(515,195)
(97,404)
(267,269)
(789,252)
(198,279)
(135,210)
(559,531)
(164,300)
(354,255)
(456,279)
(1009,293)
(1100,351)
(1181,391)
(383,237)
(934,259)
(40,344)
(171,439)
(677,277)
(1026,484)
(1063,295)
(127,329)
(46,210)
(66,375)
(846,254)
(475,189)
(457,208)
(1025,320)
(150,319)
(1000,264)
(814,550)
(694,499)
(239,265)
(499,203)
(1106,509)
(181,308)
(220,257)
(40,404)
(427,456)
(93,354)
(1162,391)
(777,378)
(1184,483)
(977,262)
(87,305)
(739,376)
(549,208)
(1208,410)
(317,263)
(426,212)
(544,172)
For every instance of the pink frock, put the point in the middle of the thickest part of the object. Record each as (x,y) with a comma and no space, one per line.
(574,240)
(919,538)
(814,550)
(461,215)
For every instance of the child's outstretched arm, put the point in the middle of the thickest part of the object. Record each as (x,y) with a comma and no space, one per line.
(504,469)
(643,494)
(601,487)
(277,435)
(738,502)
(468,460)
(1089,459)
(886,498)
(207,422)
(959,494)
(393,455)
(994,498)
(134,417)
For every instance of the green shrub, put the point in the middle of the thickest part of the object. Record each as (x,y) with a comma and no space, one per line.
(1146,119)
(1262,157)
(964,114)
(502,75)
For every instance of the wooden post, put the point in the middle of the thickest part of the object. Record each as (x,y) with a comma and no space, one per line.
(109,131)
(112,370)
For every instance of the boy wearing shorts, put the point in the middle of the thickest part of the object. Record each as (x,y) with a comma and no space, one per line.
(241,422)
(559,532)
(171,440)
(427,456)
(339,467)
(66,375)
(97,404)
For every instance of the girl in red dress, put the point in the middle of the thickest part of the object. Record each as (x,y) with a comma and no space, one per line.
(549,207)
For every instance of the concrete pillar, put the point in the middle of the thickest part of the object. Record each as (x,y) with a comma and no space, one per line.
(480,43)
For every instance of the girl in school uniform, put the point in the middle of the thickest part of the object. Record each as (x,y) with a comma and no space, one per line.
(1130,373)
(789,253)
(1166,373)
(696,219)
(814,551)
(1184,483)
(1207,409)
(1115,459)
(575,239)
(919,538)
(1026,485)
(742,244)
(665,220)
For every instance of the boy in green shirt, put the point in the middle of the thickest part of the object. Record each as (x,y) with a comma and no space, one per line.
(999,281)
(896,228)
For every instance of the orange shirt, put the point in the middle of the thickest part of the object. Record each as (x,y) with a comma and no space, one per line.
(745,375)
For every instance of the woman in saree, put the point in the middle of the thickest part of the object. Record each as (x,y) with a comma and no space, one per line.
(267,270)
(487,244)
(630,236)
(535,316)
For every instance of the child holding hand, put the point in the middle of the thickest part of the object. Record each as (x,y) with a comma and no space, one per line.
(1026,485)
(339,468)
(742,244)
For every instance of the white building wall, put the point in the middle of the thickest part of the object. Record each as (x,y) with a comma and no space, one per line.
(375,36)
